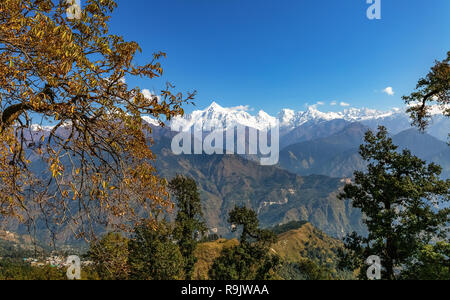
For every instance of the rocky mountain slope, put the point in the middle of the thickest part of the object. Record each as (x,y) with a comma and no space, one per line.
(320,153)
(337,155)
(277,195)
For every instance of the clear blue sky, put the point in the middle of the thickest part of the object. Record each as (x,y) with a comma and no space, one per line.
(273,54)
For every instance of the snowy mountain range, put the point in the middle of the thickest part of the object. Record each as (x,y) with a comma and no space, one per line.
(295,123)
(318,150)
(216,116)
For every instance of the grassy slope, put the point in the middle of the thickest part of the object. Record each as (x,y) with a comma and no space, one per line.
(306,242)
(292,246)
(206,253)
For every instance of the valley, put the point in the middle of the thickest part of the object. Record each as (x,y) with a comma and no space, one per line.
(319,155)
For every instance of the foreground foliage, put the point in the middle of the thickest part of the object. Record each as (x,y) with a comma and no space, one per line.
(110,257)
(400,196)
(433,89)
(154,254)
(71,74)
(189,223)
(251,259)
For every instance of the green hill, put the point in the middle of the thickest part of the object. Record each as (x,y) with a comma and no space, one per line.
(206,253)
(293,246)
(307,242)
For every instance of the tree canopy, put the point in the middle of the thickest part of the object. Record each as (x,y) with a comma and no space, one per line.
(71,75)
(401,197)
(189,223)
(110,257)
(433,89)
(252,258)
(154,254)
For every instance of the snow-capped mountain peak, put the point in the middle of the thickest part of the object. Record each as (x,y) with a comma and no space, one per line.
(215,107)
(150,120)
(291,119)
(217,117)
(285,116)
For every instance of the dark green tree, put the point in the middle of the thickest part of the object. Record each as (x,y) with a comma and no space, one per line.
(432,262)
(13,269)
(251,259)
(154,255)
(306,269)
(189,223)
(399,196)
(433,89)
(110,257)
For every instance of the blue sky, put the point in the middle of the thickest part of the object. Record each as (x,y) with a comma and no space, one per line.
(272,54)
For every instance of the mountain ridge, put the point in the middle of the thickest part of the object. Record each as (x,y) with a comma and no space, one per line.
(337,155)
(216,116)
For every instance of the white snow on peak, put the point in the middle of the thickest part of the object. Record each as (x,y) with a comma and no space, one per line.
(286,116)
(215,116)
(218,117)
(289,118)
(48,128)
(150,120)
(37,127)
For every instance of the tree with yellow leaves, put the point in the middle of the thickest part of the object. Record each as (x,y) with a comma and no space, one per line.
(69,72)
(434,89)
